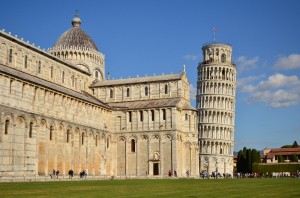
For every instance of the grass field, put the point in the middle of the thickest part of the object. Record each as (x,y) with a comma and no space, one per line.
(283,187)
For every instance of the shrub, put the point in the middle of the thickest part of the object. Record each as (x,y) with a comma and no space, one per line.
(280,167)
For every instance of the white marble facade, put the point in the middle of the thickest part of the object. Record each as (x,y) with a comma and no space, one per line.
(58,111)
(215,101)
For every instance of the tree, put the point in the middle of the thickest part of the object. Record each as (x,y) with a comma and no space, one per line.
(255,156)
(241,161)
(280,159)
(287,146)
(294,158)
(246,159)
(295,144)
(258,157)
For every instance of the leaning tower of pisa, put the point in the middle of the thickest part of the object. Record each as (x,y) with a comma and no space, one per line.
(216,87)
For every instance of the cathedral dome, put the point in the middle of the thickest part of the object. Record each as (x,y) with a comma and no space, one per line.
(75,37)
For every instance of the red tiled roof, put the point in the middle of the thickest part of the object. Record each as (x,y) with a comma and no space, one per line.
(283,151)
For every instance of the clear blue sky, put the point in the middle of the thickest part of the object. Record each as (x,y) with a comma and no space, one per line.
(159,36)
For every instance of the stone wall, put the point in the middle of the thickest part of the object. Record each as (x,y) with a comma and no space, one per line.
(46,127)
(34,61)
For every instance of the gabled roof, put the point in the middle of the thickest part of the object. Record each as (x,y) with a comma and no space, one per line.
(283,151)
(145,79)
(154,103)
(55,87)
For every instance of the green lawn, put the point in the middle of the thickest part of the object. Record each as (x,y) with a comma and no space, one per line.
(283,187)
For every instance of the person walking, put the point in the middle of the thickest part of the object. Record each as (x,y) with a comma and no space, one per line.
(70,173)
(57,173)
(53,174)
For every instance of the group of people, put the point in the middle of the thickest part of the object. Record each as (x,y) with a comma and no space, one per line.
(215,175)
(170,173)
(268,175)
(54,174)
(83,174)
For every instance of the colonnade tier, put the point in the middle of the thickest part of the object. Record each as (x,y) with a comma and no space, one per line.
(216,102)
(216,147)
(217,132)
(216,117)
(78,54)
(216,87)
(216,72)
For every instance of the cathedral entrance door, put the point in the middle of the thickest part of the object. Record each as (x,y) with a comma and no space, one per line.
(155,169)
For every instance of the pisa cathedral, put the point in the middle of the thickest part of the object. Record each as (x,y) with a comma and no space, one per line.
(59,111)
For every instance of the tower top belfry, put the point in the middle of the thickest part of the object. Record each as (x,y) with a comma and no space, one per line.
(216,53)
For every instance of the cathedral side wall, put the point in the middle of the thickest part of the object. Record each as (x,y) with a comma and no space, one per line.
(35,62)
(169,118)
(32,98)
(134,92)
(33,145)
(143,144)
(42,129)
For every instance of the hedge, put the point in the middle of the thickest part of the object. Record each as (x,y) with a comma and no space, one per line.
(263,168)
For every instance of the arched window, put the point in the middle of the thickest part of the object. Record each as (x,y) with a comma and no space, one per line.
(164,114)
(73,81)
(10,56)
(186,117)
(141,116)
(96,74)
(96,141)
(82,138)
(166,89)
(133,145)
(129,116)
(223,74)
(128,92)
(152,115)
(111,93)
(30,129)
(107,143)
(25,61)
(146,91)
(68,136)
(51,72)
(6,126)
(63,77)
(39,67)
(51,133)
(223,58)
